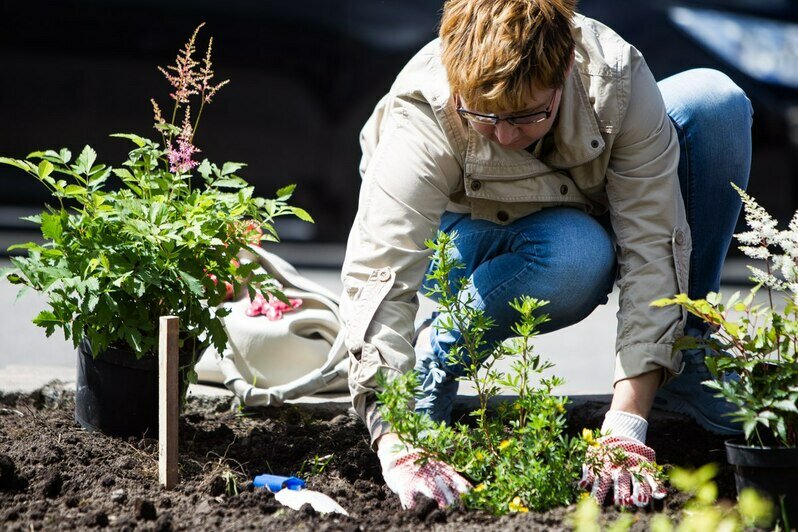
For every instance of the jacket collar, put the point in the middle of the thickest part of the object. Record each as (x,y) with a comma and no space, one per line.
(576,135)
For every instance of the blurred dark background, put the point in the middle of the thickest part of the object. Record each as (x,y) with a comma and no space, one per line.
(306,75)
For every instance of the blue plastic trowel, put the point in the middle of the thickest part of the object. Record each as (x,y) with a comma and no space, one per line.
(291,492)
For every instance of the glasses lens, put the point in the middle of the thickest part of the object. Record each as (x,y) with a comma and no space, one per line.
(529,119)
(478,119)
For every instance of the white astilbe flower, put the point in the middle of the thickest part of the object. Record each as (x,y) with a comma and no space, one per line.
(789,243)
(749,238)
(767,279)
(786,266)
(758,253)
(762,224)
(794,223)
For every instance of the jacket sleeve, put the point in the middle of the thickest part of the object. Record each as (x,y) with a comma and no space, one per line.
(648,217)
(408,171)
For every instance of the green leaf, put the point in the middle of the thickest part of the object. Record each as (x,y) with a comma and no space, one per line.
(137,140)
(786,406)
(85,161)
(664,302)
(204,169)
(22,165)
(285,192)
(27,245)
(169,129)
(230,183)
(229,168)
(45,169)
(133,337)
(302,214)
(72,191)
(51,226)
(48,320)
(192,283)
(65,155)
(122,173)
(15,278)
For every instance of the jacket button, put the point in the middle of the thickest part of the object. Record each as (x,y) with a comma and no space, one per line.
(476,185)
(594,144)
(679,237)
(384,275)
(564,190)
(502,216)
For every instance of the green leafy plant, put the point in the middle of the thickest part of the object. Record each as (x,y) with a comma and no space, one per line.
(703,510)
(759,344)
(162,241)
(518,457)
(315,466)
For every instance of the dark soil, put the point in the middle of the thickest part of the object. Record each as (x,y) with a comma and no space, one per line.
(54,475)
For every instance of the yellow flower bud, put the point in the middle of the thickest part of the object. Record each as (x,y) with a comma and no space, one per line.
(516,506)
(504,444)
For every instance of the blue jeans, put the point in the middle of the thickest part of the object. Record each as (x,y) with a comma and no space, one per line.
(567,257)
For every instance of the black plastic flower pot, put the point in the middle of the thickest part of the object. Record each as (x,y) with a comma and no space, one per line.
(117,394)
(772,471)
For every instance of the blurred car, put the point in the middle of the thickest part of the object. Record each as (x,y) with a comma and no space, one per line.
(306,75)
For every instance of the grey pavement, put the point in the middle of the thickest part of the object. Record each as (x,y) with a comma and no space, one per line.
(583,354)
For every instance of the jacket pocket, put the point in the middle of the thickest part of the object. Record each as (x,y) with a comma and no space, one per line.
(503,200)
(367,363)
(366,300)
(555,186)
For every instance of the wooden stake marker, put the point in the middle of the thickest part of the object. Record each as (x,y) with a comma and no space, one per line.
(168,400)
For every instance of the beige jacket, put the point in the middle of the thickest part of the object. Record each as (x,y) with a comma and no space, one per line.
(613,147)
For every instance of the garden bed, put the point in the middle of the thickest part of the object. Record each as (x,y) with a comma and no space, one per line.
(54,475)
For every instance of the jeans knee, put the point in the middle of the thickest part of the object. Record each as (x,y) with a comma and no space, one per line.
(711,99)
(585,252)
(726,101)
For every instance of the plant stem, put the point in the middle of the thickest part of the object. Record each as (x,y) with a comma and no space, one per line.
(773,310)
(455,308)
(196,122)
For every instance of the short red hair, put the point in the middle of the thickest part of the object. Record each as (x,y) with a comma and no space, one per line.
(494,50)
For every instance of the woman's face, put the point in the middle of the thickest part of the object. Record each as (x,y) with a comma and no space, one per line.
(518,136)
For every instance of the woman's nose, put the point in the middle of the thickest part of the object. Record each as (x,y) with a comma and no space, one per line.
(506,133)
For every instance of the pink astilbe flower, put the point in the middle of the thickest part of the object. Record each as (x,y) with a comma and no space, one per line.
(206,74)
(181,75)
(180,157)
(156,111)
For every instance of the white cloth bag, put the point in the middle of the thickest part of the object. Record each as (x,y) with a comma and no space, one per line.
(267,362)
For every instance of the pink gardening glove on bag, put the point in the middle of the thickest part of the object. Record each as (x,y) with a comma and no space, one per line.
(406,476)
(622,461)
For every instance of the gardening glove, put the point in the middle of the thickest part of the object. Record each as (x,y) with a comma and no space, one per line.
(406,476)
(622,461)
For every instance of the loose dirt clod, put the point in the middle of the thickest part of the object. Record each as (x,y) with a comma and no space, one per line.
(272,440)
(52,485)
(144,509)
(9,478)
(424,507)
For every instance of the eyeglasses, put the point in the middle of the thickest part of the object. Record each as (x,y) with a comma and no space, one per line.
(517,120)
